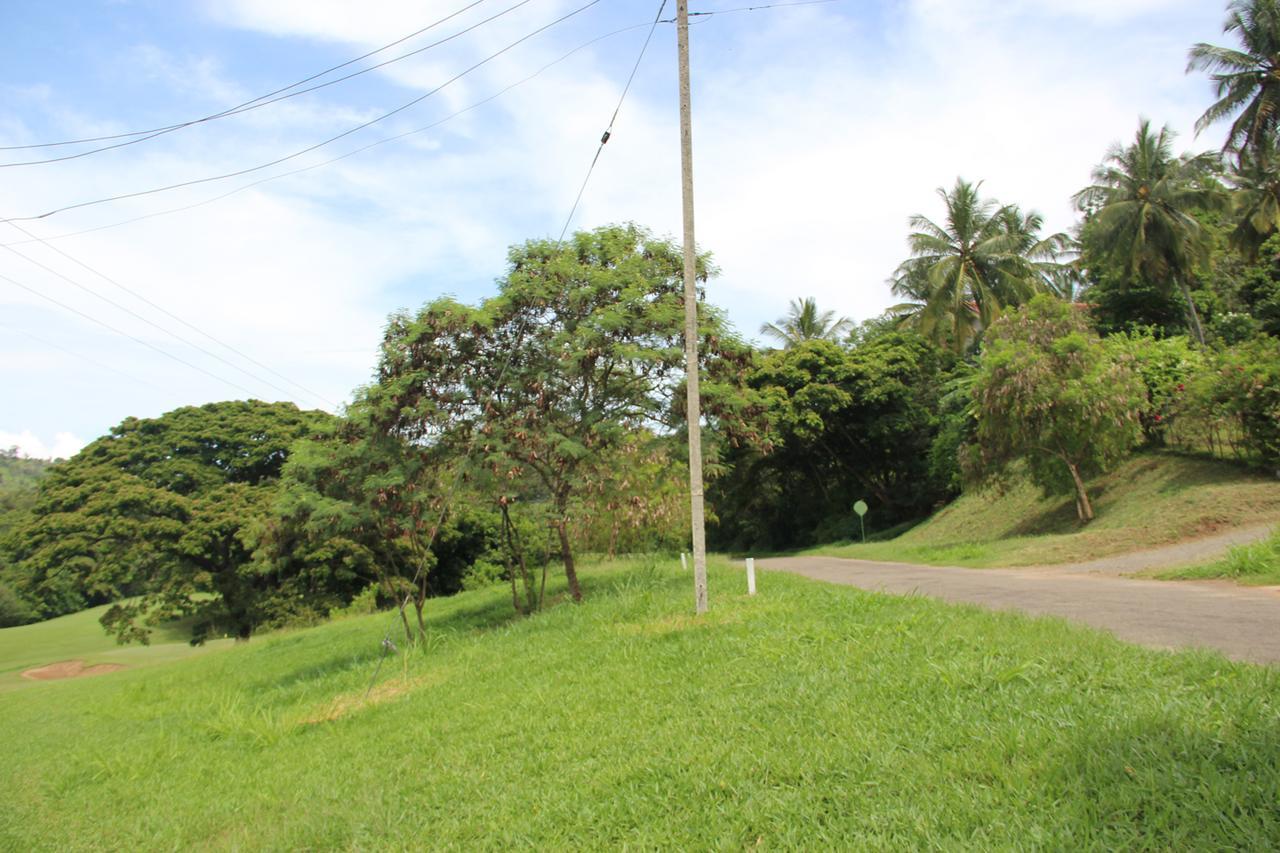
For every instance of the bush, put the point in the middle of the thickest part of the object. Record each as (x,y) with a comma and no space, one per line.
(1237,399)
(1166,366)
(14,610)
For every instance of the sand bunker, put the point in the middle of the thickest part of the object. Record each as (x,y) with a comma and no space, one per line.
(69,669)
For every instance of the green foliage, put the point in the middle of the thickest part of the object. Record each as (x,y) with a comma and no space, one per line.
(1256,564)
(845,424)
(1050,396)
(808,717)
(962,274)
(1236,402)
(14,610)
(1140,215)
(1166,366)
(581,348)
(1260,288)
(159,512)
(1246,79)
(804,322)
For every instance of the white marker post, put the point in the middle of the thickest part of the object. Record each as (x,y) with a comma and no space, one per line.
(684,562)
(751,576)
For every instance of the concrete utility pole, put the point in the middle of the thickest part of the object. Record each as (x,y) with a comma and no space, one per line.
(691,315)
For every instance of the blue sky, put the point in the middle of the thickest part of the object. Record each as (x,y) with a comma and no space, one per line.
(818,130)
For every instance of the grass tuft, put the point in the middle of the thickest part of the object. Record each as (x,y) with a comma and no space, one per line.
(1150,500)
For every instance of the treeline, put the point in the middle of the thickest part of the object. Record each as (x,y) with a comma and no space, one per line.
(498,440)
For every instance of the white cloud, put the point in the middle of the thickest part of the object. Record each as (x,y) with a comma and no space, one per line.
(63,446)
(817,133)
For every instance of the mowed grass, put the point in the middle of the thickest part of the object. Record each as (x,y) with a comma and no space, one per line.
(811,716)
(1152,499)
(1257,564)
(79,636)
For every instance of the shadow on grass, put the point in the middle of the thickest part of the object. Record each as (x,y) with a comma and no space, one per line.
(1143,778)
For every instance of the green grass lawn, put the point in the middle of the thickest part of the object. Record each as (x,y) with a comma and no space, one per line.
(79,636)
(1255,565)
(1152,499)
(811,716)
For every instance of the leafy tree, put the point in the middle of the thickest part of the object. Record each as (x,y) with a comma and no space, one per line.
(963,273)
(1141,214)
(581,347)
(844,425)
(1047,394)
(160,509)
(357,506)
(804,322)
(1260,287)
(1247,79)
(1256,197)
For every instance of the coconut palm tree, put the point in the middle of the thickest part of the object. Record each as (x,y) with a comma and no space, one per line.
(962,274)
(1247,79)
(804,322)
(1141,204)
(1256,200)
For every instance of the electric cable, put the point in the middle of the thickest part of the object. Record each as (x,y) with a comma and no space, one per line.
(511,353)
(95,362)
(317,145)
(135,294)
(151,323)
(253,105)
(332,160)
(133,338)
(301,82)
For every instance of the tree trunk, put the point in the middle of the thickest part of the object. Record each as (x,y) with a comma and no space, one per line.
(1192,314)
(1084,509)
(566,554)
(418,605)
(404,617)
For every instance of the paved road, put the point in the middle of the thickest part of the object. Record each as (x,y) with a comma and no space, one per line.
(1241,622)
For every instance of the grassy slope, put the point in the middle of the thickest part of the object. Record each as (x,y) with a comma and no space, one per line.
(1153,499)
(1257,564)
(79,636)
(810,716)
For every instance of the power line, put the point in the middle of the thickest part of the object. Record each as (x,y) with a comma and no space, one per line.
(167,313)
(520,330)
(138,340)
(301,82)
(268,100)
(765,6)
(153,324)
(332,160)
(311,148)
(95,362)
(608,131)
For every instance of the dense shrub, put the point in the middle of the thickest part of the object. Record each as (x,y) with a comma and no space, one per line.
(1166,366)
(1235,402)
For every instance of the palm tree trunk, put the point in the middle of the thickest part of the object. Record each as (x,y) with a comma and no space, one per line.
(1192,314)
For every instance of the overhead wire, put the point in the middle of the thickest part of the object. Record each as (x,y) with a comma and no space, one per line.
(294,85)
(268,100)
(95,362)
(395,138)
(313,394)
(386,644)
(122,333)
(310,148)
(150,322)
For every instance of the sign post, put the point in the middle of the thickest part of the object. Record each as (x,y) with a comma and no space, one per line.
(861,509)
